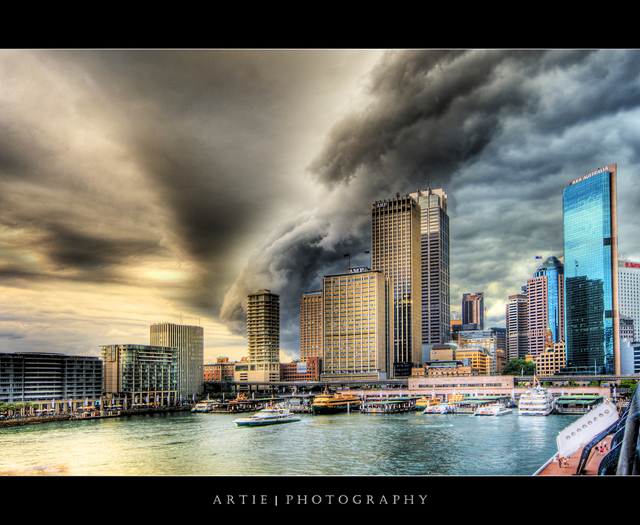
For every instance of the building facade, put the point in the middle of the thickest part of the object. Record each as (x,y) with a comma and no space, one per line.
(221,370)
(473,309)
(591,273)
(263,339)
(189,340)
(435,272)
(141,374)
(545,298)
(49,377)
(308,370)
(396,251)
(311,325)
(629,294)
(358,323)
(517,326)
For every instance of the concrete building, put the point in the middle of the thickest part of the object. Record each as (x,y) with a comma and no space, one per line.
(396,251)
(141,374)
(590,226)
(311,325)
(358,323)
(473,309)
(49,377)
(435,273)
(189,340)
(629,292)
(308,370)
(221,370)
(517,322)
(263,339)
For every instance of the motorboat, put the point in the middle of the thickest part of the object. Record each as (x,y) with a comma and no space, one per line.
(494,409)
(440,408)
(272,415)
(206,405)
(537,401)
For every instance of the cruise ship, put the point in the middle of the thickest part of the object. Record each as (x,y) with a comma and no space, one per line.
(536,402)
(331,403)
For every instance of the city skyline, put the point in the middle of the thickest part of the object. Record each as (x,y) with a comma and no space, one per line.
(142,187)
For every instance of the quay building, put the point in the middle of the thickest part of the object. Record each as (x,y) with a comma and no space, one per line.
(52,381)
(137,375)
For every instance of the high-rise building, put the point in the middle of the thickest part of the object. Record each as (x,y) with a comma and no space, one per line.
(629,285)
(311,325)
(263,336)
(358,324)
(473,309)
(395,250)
(517,326)
(592,324)
(189,340)
(435,274)
(545,298)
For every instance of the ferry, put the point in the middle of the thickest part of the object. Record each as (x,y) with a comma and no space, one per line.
(536,402)
(425,402)
(204,406)
(332,403)
(594,444)
(272,415)
(441,408)
(495,409)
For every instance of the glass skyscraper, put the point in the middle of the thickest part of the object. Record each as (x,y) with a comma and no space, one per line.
(591,273)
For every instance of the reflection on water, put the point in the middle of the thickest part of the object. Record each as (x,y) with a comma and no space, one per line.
(185,443)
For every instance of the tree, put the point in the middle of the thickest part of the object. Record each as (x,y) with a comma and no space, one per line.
(517,367)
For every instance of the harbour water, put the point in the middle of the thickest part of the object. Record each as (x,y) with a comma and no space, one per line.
(347,444)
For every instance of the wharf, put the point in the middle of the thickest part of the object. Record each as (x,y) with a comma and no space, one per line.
(389,405)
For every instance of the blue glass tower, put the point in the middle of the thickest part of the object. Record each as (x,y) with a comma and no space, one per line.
(591,273)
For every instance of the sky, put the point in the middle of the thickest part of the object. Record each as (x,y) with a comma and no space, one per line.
(146,186)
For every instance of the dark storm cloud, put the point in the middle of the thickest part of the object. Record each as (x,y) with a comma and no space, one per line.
(502,132)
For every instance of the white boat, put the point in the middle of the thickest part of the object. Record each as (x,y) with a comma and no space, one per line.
(204,406)
(495,409)
(536,402)
(272,415)
(442,408)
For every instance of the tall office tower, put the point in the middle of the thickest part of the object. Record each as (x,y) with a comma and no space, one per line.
(311,325)
(517,320)
(434,241)
(358,324)
(473,309)
(545,297)
(395,250)
(629,284)
(592,322)
(189,340)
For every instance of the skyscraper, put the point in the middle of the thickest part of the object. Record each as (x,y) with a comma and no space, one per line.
(189,340)
(263,327)
(545,298)
(395,250)
(629,284)
(517,326)
(357,325)
(591,273)
(311,325)
(473,309)
(435,285)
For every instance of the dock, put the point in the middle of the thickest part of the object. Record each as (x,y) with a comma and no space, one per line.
(390,405)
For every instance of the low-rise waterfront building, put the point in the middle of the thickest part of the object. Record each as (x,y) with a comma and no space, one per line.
(221,370)
(141,375)
(50,379)
(307,370)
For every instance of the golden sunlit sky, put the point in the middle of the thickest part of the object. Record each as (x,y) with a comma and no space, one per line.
(143,186)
